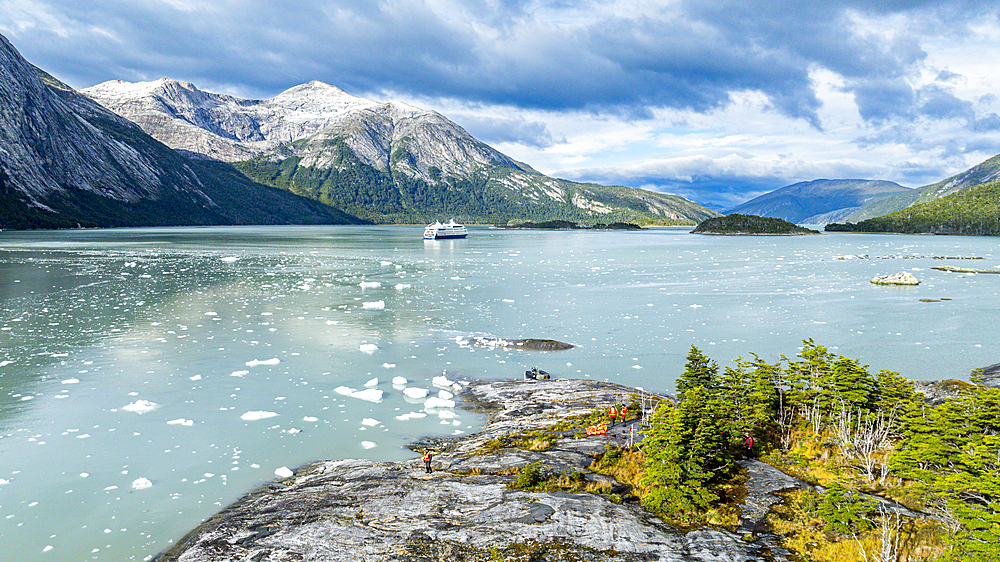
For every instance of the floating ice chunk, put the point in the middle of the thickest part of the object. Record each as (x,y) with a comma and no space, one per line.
(414,392)
(368,348)
(369,394)
(5,363)
(293,430)
(696,306)
(344,390)
(210,313)
(389,366)
(47,548)
(398,381)
(140,406)
(84,474)
(508,300)
(239,373)
(386,262)
(376,305)
(283,472)
(310,419)
(370,422)
(256,362)
(447,415)
(411,416)
(636,366)
(434,402)
(367,444)
(109,488)
(4,481)
(370,284)
(230,259)
(373,382)
(181,421)
(445,395)
(442,380)
(141,483)
(71,381)
(196,378)
(257,415)
(402,286)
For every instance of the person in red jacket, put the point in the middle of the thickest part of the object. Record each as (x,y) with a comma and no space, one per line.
(614,414)
(624,410)
(748,441)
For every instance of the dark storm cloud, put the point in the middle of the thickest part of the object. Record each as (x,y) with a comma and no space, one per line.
(564,55)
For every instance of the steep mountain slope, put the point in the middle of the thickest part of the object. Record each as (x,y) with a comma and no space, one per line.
(818,201)
(66,161)
(982,173)
(387,162)
(972,211)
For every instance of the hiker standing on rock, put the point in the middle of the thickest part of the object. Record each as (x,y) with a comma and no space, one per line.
(748,441)
(427,460)
(623,411)
(613,413)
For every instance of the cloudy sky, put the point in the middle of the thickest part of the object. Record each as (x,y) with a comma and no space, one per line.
(714,100)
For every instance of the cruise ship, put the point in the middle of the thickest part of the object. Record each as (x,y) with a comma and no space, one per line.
(438,231)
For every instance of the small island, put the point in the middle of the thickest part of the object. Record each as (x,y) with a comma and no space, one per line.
(567,225)
(744,225)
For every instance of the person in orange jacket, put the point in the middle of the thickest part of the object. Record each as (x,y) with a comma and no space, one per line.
(623,412)
(427,460)
(613,413)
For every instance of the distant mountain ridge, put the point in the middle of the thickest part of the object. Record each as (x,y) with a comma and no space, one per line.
(66,161)
(981,173)
(818,201)
(384,161)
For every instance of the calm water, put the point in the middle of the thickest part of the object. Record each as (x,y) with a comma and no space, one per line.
(149,377)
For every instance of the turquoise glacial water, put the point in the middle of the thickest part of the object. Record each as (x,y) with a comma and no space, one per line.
(149,377)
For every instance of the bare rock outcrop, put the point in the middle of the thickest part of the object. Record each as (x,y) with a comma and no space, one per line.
(362,510)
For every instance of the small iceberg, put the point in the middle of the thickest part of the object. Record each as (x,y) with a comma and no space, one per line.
(257,362)
(141,483)
(140,406)
(368,348)
(257,415)
(434,402)
(375,305)
(371,383)
(369,394)
(370,422)
(415,393)
(283,472)
(367,444)
(370,284)
(399,381)
(442,381)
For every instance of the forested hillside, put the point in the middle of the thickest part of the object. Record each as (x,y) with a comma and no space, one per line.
(973,211)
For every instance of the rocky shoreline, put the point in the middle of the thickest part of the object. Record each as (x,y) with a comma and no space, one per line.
(359,510)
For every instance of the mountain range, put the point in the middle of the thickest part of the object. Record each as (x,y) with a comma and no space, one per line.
(66,161)
(383,161)
(818,201)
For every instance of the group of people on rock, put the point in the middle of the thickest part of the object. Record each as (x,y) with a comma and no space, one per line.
(616,413)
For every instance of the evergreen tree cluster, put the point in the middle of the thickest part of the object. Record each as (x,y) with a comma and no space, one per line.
(949,455)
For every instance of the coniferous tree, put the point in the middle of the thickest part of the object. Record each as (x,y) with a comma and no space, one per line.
(699,371)
(688,456)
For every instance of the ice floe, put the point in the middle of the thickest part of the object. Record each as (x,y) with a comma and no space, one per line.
(434,402)
(389,366)
(258,362)
(374,305)
(370,422)
(414,392)
(402,286)
(141,483)
(181,421)
(230,259)
(71,381)
(283,472)
(369,394)
(5,363)
(372,382)
(310,419)
(411,416)
(368,348)
(367,444)
(442,381)
(398,381)
(239,373)
(445,395)
(140,406)
(257,415)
